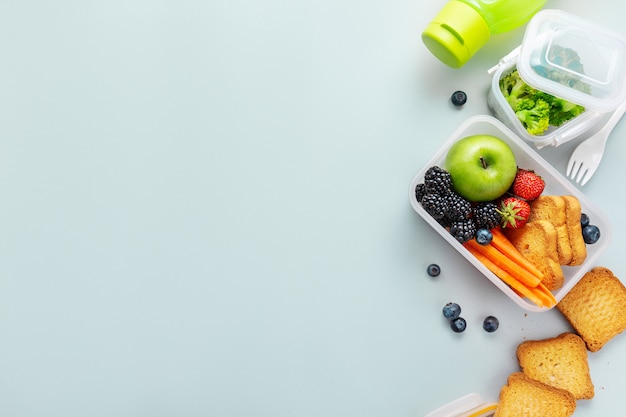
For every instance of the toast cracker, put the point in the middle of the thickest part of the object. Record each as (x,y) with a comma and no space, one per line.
(524,396)
(552,208)
(537,242)
(573,212)
(560,362)
(594,307)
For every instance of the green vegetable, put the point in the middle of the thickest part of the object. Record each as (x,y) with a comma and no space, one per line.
(534,115)
(514,89)
(536,109)
(562,110)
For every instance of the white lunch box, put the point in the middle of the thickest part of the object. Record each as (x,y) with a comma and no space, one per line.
(556,184)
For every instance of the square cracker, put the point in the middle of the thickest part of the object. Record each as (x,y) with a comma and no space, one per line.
(524,396)
(560,362)
(595,307)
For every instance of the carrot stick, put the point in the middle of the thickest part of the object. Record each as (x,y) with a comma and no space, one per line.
(544,294)
(504,245)
(547,293)
(505,263)
(545,301)
(507,278)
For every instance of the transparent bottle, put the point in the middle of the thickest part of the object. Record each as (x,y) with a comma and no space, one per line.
(462,27)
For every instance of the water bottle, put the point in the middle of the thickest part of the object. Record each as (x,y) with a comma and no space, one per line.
(462,27)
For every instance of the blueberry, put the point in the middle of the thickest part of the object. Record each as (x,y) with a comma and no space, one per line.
(433,270)
(484,236)
(451,311)
(490,324)
(591,234)
(584,220)
(458,98)
(458,324)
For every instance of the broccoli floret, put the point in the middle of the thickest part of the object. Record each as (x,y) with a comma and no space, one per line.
(536,109)
(561,110)
(534,115)
(514,88)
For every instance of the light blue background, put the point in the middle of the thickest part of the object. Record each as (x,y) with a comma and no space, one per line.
(204,212)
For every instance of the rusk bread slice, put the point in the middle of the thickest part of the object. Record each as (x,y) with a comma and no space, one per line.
(552,208)
(537,242)
(595,307)
(524,396)
(574,230)
(560,362)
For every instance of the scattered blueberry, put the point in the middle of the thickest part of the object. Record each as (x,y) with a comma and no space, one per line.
(451,311)
(458,324)
(584,220)
(484,236)
(591,234)
(433,270)
(490,324)
(458,98)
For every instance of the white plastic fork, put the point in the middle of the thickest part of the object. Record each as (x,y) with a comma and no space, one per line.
(587,156)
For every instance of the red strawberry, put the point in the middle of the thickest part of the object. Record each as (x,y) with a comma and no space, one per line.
(514,212)
(527,184)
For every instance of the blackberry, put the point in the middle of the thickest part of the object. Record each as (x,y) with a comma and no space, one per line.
(463,230)
(420,190)
(486,216)
(436,205)
(445,222)
(458,207)
(437,180)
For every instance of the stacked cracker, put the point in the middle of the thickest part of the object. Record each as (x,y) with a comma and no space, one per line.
(555,372)
(524,396)
(552,237)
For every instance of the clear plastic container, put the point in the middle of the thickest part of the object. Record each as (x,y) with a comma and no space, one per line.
(471,405)
(556,184)
(602,54)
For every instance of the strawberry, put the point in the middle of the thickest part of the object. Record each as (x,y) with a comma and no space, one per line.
(514,212)
(527,184)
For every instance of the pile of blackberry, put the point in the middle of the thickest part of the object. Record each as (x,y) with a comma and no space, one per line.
(452,211)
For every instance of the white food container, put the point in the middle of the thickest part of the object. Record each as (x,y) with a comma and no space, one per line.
(556,184)
(602,54)
(471,405)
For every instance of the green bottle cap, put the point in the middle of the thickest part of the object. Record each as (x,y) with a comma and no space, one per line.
(456,34)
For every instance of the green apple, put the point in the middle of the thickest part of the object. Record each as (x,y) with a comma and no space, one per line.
(482,167)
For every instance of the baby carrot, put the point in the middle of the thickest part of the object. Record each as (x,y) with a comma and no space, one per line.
(504,245)
(504,262)
(507,278)
(548,294)
(541,292)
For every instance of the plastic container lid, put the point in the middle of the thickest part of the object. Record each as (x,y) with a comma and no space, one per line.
(548,60)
